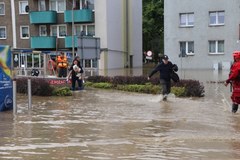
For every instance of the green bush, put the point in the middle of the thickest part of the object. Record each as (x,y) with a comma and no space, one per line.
(151,89)
(179,91)
(189,88)
(63,91)
(87,83)
(102,85)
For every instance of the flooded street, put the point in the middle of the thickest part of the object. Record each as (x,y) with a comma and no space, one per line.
(112,125)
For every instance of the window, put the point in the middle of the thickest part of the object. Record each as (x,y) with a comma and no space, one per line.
(57,5)
(216,18)
(2,8)
(91,30)
(59,31)
(85,30)
(216,47)
(186,19)
(24,31)
(43,30)
(22,6)
(3,32)
(91,4)
(186,48)
(87,4)
(41,5)
(62,31)
(54,31)
(90,63)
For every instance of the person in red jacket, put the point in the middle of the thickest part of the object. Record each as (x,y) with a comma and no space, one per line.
(234,79)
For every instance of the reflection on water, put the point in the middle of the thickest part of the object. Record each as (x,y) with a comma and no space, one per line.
(105,124)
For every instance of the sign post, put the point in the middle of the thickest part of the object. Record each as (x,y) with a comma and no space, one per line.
(6,87)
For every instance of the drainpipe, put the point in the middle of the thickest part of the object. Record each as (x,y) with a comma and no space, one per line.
(13,24)
(127,34)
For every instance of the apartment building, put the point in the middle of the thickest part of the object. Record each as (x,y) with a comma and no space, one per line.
(201,34)
(47,27)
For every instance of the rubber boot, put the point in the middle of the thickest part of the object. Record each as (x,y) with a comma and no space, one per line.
(234,107)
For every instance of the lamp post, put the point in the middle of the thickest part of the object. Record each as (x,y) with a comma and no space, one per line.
(73,28)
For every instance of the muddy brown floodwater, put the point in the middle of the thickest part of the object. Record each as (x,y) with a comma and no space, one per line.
(113,125)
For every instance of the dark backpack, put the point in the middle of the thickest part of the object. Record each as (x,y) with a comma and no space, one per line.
(174,76)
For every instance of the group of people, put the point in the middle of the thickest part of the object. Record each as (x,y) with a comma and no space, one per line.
(76,74)
(75,70)
(165,67)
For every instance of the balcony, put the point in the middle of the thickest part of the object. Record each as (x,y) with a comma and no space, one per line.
(43,17)
(68,41)
(47,42)
(80,16)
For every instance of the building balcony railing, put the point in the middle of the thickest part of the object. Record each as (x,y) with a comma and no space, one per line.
(42,42)
(43,17)
(68,41)
(80,16)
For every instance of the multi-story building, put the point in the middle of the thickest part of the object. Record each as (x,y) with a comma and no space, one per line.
(37,28)
(201,34)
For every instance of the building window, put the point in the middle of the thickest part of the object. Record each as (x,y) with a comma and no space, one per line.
(91,30)
(58,5)
(2,8)
(22,6)
(41,5)
(62,31)
(43,30)
(54,31)
(216,47)
(59,31)
(87,4)
(186,48)
(216,18)
(85,30)
(3,32)
(91,4)
(186,19)
(24,31)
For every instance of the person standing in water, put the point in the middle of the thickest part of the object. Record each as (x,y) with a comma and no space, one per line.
(165,67)
(234,79)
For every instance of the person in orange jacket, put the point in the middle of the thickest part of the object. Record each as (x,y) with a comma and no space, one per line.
(62,64)
(234,79)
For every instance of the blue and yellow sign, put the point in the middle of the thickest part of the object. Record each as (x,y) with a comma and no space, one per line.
(6,87)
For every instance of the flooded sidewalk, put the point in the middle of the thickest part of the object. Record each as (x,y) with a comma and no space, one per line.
(112,125)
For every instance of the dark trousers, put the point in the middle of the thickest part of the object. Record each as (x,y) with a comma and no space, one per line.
(79,81)
(62,72)
(166,86)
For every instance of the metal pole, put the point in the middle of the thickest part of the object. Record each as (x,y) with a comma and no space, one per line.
(29,94)
(44,65)
(73,29)
(14,97)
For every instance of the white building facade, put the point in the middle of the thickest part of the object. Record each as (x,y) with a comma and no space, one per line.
(201,34)
(118,23)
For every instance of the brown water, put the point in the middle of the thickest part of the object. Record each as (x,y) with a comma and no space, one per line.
(109,125)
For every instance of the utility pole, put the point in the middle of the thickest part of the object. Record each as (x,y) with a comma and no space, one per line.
(73,44)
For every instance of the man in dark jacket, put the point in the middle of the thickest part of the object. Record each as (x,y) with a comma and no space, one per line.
(165,68)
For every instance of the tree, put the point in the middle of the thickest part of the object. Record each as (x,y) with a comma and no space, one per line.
(153,26)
